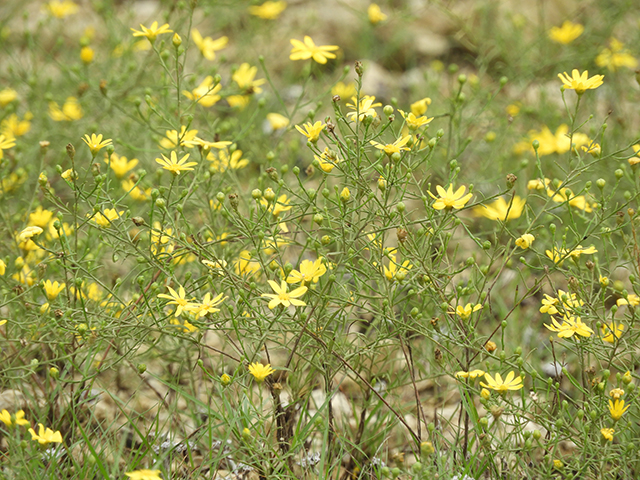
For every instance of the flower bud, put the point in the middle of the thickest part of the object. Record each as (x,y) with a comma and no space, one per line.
(176,40)
(225,379)
(345,194)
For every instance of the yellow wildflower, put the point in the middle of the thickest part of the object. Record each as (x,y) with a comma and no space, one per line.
(567,33)
(174,165)
(278,206)
(500,210)
(375,14)
(471,375)
(60,9)
(40,217)
(7,96)
(144,475)
(344,90)
(580,82)
(465,312)
(394,269)
(607,433)
(152,32)
(244,265)
(221,161)
(5,144)
(616,393)
(45,437)
(525,241)
(173,139)
(244,78)
(395,147)
(617,409)
(277,121)
(12,126)
(207,305)
(269,10)
(310,272)
(284,297)
(308,49)
(363,108)
(95,142)
(570,325)
(511,382)
(449,199)
(208,46)
(120,165)
(52,289)
(70,111)
(134,191)
(260,372)
(414,122)
(104,219)
(178,299)
(632,300)
(17,419)
(616,56)
(311,131)
(327,160)
(611,332)
(28,233)
(420,107)
(205,94)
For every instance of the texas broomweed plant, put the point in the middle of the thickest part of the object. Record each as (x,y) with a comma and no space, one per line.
(299,250)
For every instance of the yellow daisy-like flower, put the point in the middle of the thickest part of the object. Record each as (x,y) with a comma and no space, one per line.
(616,56)
(311,131)
(28,233)
(375,14)
(45,436)
(471,375)
(511,382)
(260,372)
(221,161)
(308,49)
(570,326)
(12,126)
(208,46)
(420,107)
(205,94)
(395,147)
(120,165)
(269,10)
(95,142)
(580,82)
(173,139)
(104,219)
(52,289)
(449,199)
(5,144)
(177,298)
(617,409)
(632,300)
(607,433)
(71,110)
(284,297)
(244,77)
(60,9)
(152,32)
(465,312)
(7,96)
(396,270)
(344,90)
(525,241)
(363,108)
(559,255)
(277,121)
(327,160)
(310,272)
(207,305)
(501,210)
(144,475)
(244,265)
(174,165)
(17,419)
(611,332)
(415,122)
(567,33)
(134,191)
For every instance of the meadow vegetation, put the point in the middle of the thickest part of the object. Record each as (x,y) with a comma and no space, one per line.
(243,242)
